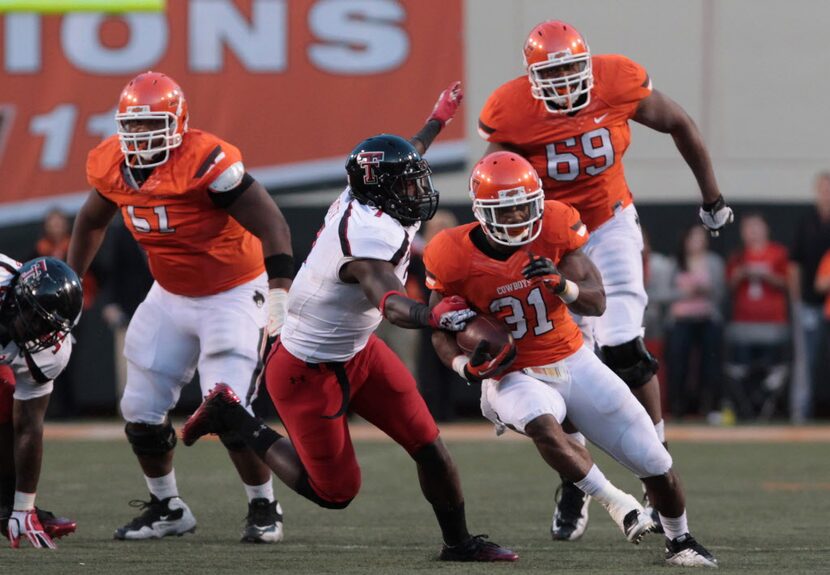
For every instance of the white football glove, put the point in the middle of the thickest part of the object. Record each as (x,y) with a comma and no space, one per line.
(26,524)
(715,216)
(277,301)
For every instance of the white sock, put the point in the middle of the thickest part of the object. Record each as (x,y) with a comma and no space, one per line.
(163,487)
(660,428)
(674,526)
(577,438)
(264,491)
(597,486)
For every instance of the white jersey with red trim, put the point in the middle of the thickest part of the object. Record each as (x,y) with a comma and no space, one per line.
(329,319)
(33,372)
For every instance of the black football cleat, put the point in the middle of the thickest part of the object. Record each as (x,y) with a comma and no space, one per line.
(206,419)
(477,548)
(570,518)
(264,522)
(684,551)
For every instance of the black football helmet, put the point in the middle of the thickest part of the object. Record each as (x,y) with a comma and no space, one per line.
(47,299)
(387,172)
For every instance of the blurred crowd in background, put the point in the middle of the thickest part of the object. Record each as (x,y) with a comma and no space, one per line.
(739,338)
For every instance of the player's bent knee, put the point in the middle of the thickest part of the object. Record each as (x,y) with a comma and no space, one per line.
(232,441)
(632,362)
(346,492)
(147,439)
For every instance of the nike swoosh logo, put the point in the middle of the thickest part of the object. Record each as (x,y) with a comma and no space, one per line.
(599,119)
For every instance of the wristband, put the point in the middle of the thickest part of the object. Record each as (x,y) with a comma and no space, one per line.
(382,304)
(279,266)
(459,362)
(570,293)
(24,501)
(420,315)
(714,206)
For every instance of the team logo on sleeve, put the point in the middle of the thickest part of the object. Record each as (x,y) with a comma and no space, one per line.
(369,161)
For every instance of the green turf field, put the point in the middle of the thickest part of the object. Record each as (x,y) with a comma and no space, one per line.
(761,508)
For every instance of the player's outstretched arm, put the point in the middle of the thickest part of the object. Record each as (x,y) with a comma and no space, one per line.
(386,292)
(576,281)
(661,113)
(88,231)
(442,114)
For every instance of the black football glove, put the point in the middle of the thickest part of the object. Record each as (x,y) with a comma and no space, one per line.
(544,268)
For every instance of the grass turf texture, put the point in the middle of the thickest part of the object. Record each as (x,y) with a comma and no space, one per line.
(761,508)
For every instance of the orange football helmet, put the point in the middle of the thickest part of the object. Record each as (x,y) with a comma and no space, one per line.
(151,119)
(558,63)
(508,199)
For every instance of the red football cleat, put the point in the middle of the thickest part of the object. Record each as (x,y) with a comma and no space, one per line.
(56,527)
(477,548)
(206,418)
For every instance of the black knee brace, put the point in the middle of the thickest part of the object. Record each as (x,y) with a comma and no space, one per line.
(232,441)
(631,361)
(149,439)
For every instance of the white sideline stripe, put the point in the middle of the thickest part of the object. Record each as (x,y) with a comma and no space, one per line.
(286,175)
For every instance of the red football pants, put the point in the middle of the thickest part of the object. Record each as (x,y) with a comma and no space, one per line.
(6,393)
(310,398)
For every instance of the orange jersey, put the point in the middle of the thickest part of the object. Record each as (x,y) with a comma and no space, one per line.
(194,247)
(541,324)
(579,157)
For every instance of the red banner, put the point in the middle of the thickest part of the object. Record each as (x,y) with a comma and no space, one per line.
(293,83)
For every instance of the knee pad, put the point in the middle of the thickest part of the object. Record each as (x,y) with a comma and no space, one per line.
(305,489)
(147,439)
(631,361)
(232,441)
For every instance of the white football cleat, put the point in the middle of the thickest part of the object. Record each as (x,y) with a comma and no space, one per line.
(631,518)
(161,517)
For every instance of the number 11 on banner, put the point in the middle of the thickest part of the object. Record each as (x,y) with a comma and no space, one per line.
(63,6)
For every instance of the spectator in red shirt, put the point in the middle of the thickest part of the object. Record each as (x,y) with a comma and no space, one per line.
(759,333)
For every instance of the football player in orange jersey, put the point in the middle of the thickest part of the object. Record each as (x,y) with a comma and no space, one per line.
(523,262)
(220,252)
(569,116)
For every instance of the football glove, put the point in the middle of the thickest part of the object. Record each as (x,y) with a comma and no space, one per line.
(483,366)
(715,215)
(25,524)
(447,104)
(544,268)
(451,314)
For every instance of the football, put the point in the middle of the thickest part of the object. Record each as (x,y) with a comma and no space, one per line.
(484,327)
